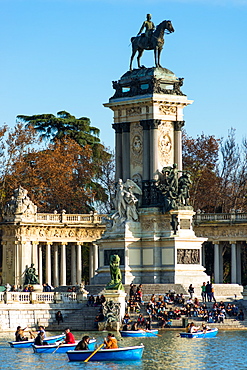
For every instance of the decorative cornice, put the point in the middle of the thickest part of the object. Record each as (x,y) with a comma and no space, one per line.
(125,126)
(117,127)
(150,124)
(178,125)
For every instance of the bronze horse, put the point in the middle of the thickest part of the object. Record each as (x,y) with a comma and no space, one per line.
(156,42)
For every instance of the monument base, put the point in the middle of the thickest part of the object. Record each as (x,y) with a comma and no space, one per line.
(116,296)
(151,251)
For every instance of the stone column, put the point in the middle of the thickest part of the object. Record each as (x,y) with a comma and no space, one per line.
(178,144)
(73,265)
(203,255)
(118,151)
(233,263)
(126,148)
(95,258)
(239,263)
(55,266)
(40,268)
(146,149)
(78,264)
(91,272)
(48,263)
(216,263)
(63,264)
(154,123)
(221,263)
(35,253)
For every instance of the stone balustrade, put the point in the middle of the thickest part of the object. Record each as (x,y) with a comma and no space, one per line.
(91,218)
(41,297)
(220,217)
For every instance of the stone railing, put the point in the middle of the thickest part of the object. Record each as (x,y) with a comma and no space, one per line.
(220,217)
(91,218)
(41,297)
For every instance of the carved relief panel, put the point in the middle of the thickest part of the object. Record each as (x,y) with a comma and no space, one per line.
(165,144)
(136,147)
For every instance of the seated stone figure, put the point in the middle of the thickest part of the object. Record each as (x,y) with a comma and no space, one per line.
(116,276)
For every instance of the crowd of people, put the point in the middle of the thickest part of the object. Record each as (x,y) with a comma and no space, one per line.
(171,306)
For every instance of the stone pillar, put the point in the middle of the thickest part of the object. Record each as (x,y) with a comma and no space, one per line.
(35,253)
(239,263)
(126,148)
(146,149)
(216,263)
(178,144)
(40,268)
(154,123)
(233,263)
(221,263)
(95,258)
(118,151)
(91,272)
(48,264)
(78,264)
(73,265)
(55,266)
(203,255)
(63,264)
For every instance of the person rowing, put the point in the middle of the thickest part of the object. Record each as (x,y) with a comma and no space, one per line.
(193,328)
(83,344)
(20,335)
(205,328)
(134,327)
(110,341)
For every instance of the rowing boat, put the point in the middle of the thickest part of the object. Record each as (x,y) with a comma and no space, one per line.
(139,333)
(61,348)
(116,354)
(28,343)
(210,333)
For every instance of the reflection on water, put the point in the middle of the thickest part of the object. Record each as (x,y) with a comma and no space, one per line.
(169,352)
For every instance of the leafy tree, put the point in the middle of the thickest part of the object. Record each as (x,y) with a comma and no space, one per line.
(53,127)
(58,177)
(64,125)
(15,144)
(200,158)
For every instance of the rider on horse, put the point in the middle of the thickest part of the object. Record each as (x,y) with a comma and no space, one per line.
(149,25)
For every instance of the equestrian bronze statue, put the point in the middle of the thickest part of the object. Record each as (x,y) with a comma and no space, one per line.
(155,42)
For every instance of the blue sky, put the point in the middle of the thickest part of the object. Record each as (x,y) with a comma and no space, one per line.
(64,54)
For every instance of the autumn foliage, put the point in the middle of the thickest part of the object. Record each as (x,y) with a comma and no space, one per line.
(218,170)
(60,175)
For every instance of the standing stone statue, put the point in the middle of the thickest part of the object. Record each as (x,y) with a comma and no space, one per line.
(126,201)
(30,276)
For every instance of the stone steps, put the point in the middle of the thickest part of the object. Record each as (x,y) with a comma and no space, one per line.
(80,320)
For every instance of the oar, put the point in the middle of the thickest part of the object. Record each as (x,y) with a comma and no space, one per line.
(92,354)
(57,347)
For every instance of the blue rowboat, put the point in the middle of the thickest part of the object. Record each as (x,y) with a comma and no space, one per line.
(200,334)
(139,333)
(28,343)
(116,354)
(62,348)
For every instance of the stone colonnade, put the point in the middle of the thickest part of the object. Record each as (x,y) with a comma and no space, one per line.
(235,262)
(54,256)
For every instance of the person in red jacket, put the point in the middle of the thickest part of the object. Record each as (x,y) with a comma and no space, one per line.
(69,339)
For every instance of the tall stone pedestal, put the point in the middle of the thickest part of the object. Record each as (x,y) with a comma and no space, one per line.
(115,296)
(150,251)
(148,117)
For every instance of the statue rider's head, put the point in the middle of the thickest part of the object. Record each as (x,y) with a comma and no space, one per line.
(149,16)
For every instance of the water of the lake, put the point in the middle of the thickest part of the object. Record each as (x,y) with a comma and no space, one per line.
(228,350)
